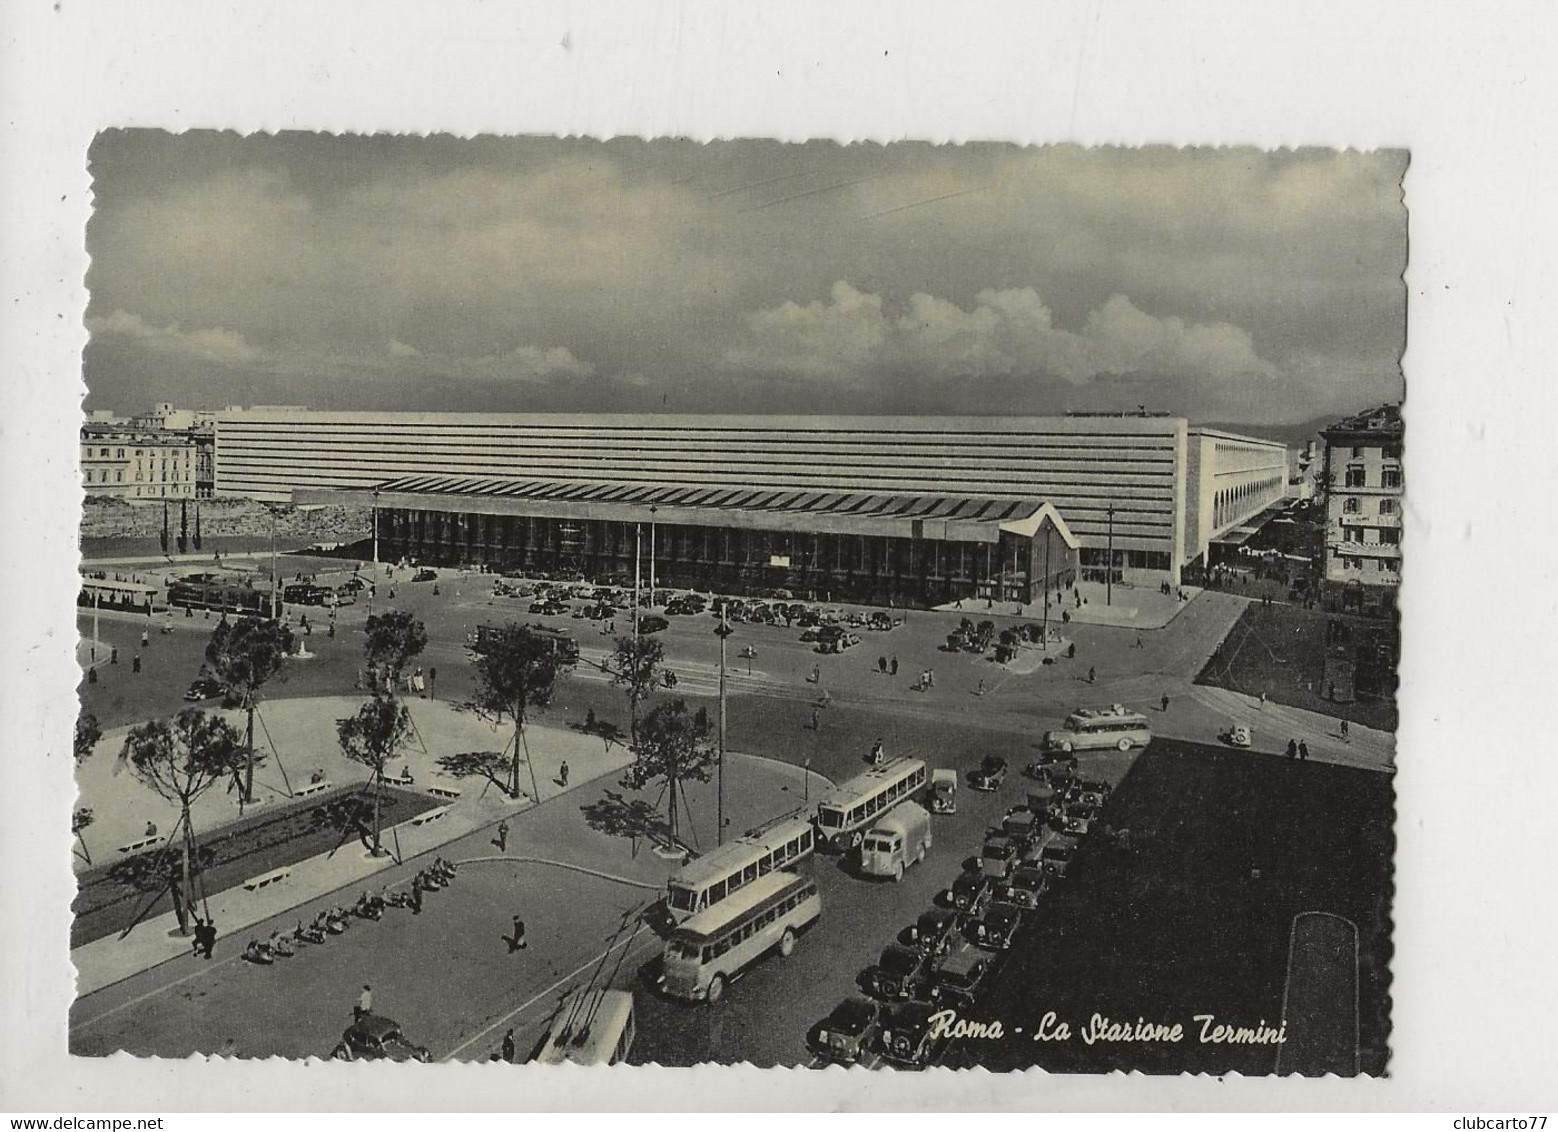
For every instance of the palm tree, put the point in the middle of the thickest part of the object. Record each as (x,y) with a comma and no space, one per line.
(180,761)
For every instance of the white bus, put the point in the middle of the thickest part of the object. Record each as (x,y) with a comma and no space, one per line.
(591,1027)
(899,840)
(708,880)
(1094,728)
(718,944)
(846,811)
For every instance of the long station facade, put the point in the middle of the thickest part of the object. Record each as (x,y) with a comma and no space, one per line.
(917,510)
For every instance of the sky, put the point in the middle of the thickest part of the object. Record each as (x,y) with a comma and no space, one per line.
(538,274)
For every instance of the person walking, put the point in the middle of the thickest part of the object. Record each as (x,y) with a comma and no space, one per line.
(206,938)
(503,837)
(1346,737)
(517,941)
(562,774)
(1303,751)
(135,663)
(1163,705)
(981,690)
(892,666)
(881,665)
(930,677)
(416,895)
(878,753)
(816,719)
(364,1005)
(1092,675)
(145,639)
(1292,749)
(508,1050)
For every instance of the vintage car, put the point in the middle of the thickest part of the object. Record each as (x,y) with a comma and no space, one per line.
(1078,794)
(958,973)
(901,972)
(908,1038)
(425,575)
(930,931)
(376,1038)
(1080,818)
(969,893)
(990,775)
(1237,735)
(998,857)
(943,795)
(1027,884)
(204,688)
(1058,855)
(998,926)
(1021,821)
(848,1033)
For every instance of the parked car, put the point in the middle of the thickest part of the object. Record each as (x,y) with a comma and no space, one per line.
(1080,818)
(901,972)
(1020,822)
(905,1038)
(990,775)
(1058,855)
(880,621)
(969,893)
(998,857)
(1237,736)
(996,928)
(204,688)
(652,623)
(930,931)
(425,575)
(958,974)
(848,1032)
(1027,884)
(376,1038)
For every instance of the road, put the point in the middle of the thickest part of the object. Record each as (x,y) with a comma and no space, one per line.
(447,976)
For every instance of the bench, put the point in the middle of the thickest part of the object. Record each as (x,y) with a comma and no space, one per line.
(265,880)
(443,792)
(403,780)
(312,788)
(429,816)
(143,843)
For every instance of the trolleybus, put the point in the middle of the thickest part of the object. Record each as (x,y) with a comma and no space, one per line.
(847,811)
(708,880)
(717,945)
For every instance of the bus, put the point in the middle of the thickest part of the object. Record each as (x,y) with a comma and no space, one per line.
(708,880)
(716,946)
(110,593)
(1095,728)
(228,594)
(591,1027)
(846,811)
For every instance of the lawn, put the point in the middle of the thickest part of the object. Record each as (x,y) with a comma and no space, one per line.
(1280,650)
(111,897)
(1198,918)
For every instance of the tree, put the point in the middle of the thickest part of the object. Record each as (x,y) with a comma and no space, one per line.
(79,821)
(673,747)
(180,761)
(87,734)
(517,668)
(373,737)
(244,655)
(634,666)
(394,640)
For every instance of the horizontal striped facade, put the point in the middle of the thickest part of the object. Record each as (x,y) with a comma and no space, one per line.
(1083,466)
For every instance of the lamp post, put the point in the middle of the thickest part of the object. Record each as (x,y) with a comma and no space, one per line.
(375,531)
(723,632)
(652,511)
(1044,640)
(1109,565)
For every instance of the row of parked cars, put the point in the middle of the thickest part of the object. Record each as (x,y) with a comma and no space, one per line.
(943,958)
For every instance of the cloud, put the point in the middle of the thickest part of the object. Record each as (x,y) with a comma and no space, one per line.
(1005,333)
(399,349)
(526,363)
(213,344)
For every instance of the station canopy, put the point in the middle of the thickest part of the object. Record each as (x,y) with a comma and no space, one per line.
(944,517)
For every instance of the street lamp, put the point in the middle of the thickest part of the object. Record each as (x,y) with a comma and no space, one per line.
(1109,565)
(723,631)
(375,531)
(652,511)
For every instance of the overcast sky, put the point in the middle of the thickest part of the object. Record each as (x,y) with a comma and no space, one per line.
(536,274)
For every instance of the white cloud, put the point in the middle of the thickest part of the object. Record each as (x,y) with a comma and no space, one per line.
(213,344)
(526,363)
(1005,333)
(399,349)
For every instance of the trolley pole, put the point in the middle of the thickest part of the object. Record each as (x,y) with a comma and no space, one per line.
(723,632)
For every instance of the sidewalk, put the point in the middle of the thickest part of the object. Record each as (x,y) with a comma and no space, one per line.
(1129,607)
(443,730)
(1272,725)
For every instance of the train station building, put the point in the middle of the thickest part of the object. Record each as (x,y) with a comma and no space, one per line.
(913,510)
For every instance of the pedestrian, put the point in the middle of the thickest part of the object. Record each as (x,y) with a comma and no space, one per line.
(1092,675)
(503,837)
(981,690)
(1138,642)
(416,895)
(1263,699)
(113,656)
(207,938)
(1292,749)
(878,753)
(816,719)
(364,1005)
(930,677)
(196,944)
(1071,651)
(881,665)
(1303,751)
(92,675)
(151,829)
(432,683)
(1346,738)
(517,941)
(562,773)
(508,1047)
(1165,703)
(892,666)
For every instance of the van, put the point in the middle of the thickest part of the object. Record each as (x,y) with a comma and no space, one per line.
(591,1027)
(900,839)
